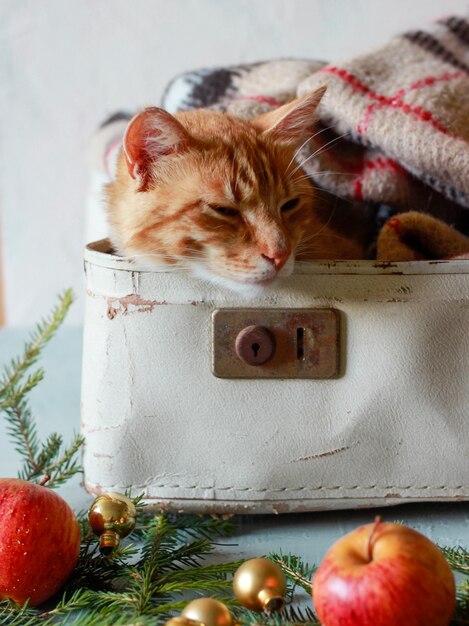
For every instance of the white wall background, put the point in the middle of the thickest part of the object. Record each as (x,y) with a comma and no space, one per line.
(65,65)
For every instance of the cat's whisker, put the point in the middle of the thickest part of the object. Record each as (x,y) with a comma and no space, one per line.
(323,130)
(309,191)
(302,178)
(305,249)
(313,247)
(325,225)
(313,175)
(305,182)
(301,249)
(317,152)
(336,173)
(309,184)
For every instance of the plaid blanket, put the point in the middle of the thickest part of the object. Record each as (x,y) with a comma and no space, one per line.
(394,123)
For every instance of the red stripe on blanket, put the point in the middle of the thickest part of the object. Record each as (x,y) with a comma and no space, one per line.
(381,164)
(358,189)
(263,99)
(428,81)
(392,102)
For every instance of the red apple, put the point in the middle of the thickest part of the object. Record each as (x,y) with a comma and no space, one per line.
(384,575)
(39,541)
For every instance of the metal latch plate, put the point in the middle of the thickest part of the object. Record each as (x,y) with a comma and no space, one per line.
(307,343)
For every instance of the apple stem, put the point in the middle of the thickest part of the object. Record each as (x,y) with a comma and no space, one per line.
(44,480)
(378,521)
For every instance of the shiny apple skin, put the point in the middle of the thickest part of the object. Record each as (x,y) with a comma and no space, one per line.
(39,541)
(407,583)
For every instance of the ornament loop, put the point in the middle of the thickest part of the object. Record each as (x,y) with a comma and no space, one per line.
(260,585)
(272,600)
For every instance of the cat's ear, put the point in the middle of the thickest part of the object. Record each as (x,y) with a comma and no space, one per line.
(291,122)
(150,135)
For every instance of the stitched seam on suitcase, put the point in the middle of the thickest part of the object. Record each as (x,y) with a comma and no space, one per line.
(318,488)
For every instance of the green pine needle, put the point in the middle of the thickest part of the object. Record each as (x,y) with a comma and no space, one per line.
(44,332)
(290,616)
(16,615)
(295,569)
(458,558)
(39,459)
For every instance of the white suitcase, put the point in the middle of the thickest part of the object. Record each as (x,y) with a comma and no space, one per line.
(383,420)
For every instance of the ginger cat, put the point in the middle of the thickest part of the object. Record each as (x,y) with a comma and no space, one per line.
(221,196)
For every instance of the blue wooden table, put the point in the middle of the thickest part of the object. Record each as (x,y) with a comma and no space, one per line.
(56,404)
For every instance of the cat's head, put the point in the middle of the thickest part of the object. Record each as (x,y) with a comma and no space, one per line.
(215,194)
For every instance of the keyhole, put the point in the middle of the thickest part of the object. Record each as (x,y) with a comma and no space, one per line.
(255,345)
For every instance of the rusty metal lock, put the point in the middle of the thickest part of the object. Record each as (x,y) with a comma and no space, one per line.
(255,345)
(285,343)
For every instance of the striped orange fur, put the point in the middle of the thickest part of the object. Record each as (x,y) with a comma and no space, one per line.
(219,195)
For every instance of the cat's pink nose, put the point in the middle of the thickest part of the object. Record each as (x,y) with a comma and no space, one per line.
(278,259)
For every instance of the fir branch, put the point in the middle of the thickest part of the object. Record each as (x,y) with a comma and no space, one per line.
(461,615)
(202,572)
(208,527)
(165,543)
(87,605)
(169,609)
(17,392)
(295,569)
(132,590)
(44,332)
(458,558)
(288,617)
(210,586)
(158,538)
(143,588)
(49,457)
(50,450)
(187,555)
(95,571)
(294,615)
(97,619)
(17,615)
(23,432)
(66,466)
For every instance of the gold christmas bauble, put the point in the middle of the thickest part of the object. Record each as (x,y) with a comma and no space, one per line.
(208,611)
(181,621)
(260,585)
(112,516)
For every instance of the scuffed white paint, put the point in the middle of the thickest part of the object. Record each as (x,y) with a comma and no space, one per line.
(392,428)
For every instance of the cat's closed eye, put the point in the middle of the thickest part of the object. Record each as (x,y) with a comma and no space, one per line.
(290,205)
(227,211)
